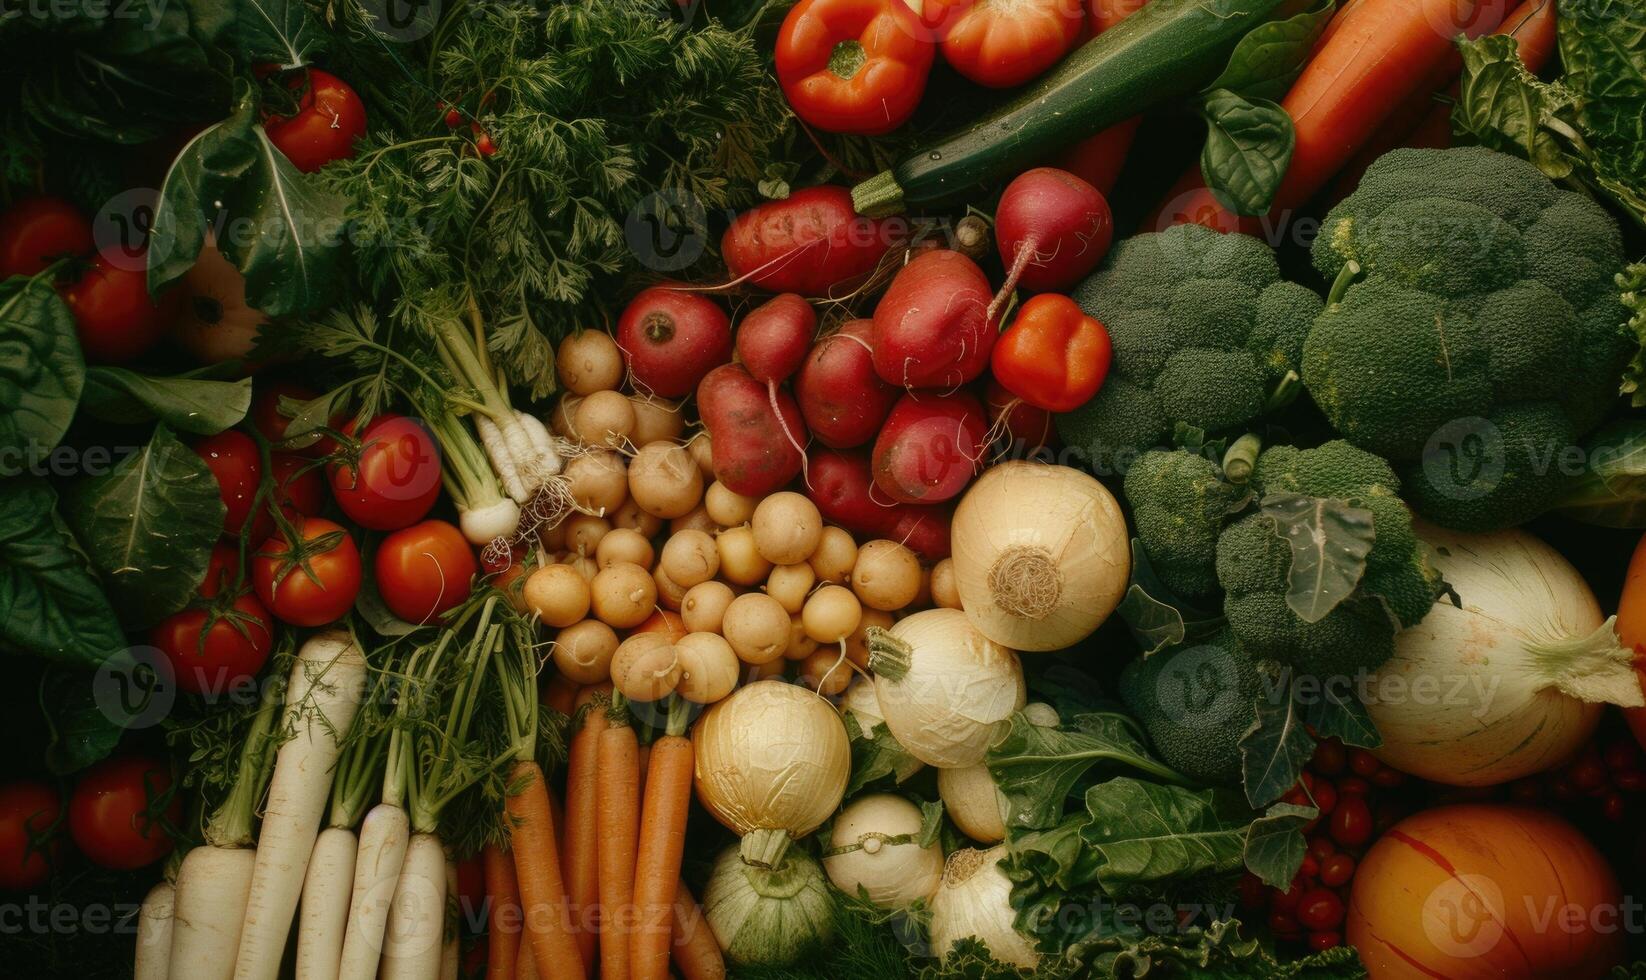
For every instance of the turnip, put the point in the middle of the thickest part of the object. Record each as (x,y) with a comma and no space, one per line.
(841,397)
(923,528)
(589,361)
(786,528)
(664,480)
(655,420)
(646,667)
(704,608)
(843,490)
(623,595)
(933,328)
(623,544)
(886,576)
(740,559)
(975,901)
(834,556)
(878,845)
(930,447)
(583,651)
(790,584)
(813,242)
(757,445)
(155,922)
(671,339)
(727,507)
(322,697)
(1052,229)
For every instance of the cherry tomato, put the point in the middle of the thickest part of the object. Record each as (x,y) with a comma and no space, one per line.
(266,418)
(1351,824)
(314,595)
(1284,925)
(398,477)
(1363,763)
(215,658)
(298,486)
(1388,778)
(424,570)
(113,314)
(1613,807)
(1321,847)
(1337,870)
(1352,786)
(1630,781)
(28,809)
(1320,909)
(233,459)
(1322,941)
(1622,756)
(37,231)
(484,146)
(329,118)
(1325,795)
(1310,868)
(113,814)
(1330,757)
(1286,901)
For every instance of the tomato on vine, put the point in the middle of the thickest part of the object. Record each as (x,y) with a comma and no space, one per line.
(329,118)
(423,570)
(114,315)
(37,231)
(233,458)
(311,582)
(212,651)
(394,479)
(119,812)
(29,812)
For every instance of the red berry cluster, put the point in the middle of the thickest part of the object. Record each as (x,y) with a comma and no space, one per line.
(1609,774)
(1345,785)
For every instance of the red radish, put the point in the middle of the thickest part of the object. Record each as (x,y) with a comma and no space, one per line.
(844,493)
(842,398)
(930,447)
(812,242)
(1016,418)
(932,328)
(671,339)
(923,528)
(756,434)
(773,339)
(1052,229)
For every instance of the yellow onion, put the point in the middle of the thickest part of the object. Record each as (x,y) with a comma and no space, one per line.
(1041,555)
(772,763)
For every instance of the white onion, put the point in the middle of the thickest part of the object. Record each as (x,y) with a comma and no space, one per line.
(1041,555)
(874,846)
(973,802)
(1510,684)
(772,761)
(944,688)
(975,900)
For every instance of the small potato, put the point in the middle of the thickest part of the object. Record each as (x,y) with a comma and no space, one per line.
(623,595)
(646,667)
(789,584)
(624,544)
(832,614)
(583,565)
(708,667)
(664,481)
(656,420)
(704,606)
(697,520)
(632,517)
(787,528)
(728,507)
(826,672)
(583,651)
(598,481)
(756,627)
(923,593)
(800,645)
(774,669)
(857,645)
(557,594)
(584,533)
(589,361)
(702,451)
(740,562)
(690,557)
(565,410)
(886,576)
(669,595)
(945,592)
(552,539)
(605,418)
(834,556)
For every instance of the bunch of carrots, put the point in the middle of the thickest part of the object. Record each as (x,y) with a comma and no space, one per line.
(600,882)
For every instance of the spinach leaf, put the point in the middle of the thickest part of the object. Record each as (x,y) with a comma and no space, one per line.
(1275,845)
(1603,48)
(1335,711)
(1266,61)
(1274,751)
(1037,768)
(876,755)
(201,406)
(41,372)
(1509,109)
(1330,540)
(1249,145)
(149,525)
(50,603)
(1050,870)
(1158,618)
(1149,834)
(279,226)
(80,732)
(278,31)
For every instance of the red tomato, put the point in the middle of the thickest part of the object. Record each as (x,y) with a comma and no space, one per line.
(1320,909)
(233,459)
(424,570)
(113,314)
(37,231)
(398,477)
(27,812)
(266,418)
(299,488)
(222,570)
(312,584)
(215,658)
(1004,44)
(1352,822)
(113,817)
(329,118)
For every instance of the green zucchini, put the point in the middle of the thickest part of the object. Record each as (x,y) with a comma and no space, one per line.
(1169,48)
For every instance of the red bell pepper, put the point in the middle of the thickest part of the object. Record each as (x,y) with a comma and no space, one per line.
(853,66)
(1004,44)
(1053,356)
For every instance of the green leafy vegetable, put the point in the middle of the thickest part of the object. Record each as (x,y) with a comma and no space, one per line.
(876,756)
(41,372)
(1274,752)
(1330,540)
(1249,145)
(1267,60)
(201,406)
(80,731)
(51,605)
(1274,843)
(278,31)
(1036,768)
(149,525)
(1611,491)
(1335,712)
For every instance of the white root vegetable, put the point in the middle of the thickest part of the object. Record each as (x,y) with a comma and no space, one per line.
(973,802)
(213,887)
(413,941)
(154,926)
(322,697)
(324,912)
(975,900)
(483,525)
(385,836)
(547,461)
(874,845)
(502,458)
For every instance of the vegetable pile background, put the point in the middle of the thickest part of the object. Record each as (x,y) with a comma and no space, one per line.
(991,489)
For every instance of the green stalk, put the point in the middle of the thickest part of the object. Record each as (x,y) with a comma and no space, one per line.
(231,824)
(1242,457)
(471,481)
(1346,277)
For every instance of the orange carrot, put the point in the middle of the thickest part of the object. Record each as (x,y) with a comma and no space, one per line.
(617,799)
(502,914)
(1631,630)
(662,844)
(525,968)
(579,849)
(644,759)
(695,951)
(537,868)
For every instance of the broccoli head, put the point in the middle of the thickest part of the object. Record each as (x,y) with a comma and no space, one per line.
(1477,334)
(1180,503)
(1196,701)
(1253,561)
(1204,332)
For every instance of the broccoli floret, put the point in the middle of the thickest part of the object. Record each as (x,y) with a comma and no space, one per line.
(1481,335)
(1180,503)
(1204,331)
(1196,701)
(1253,560)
